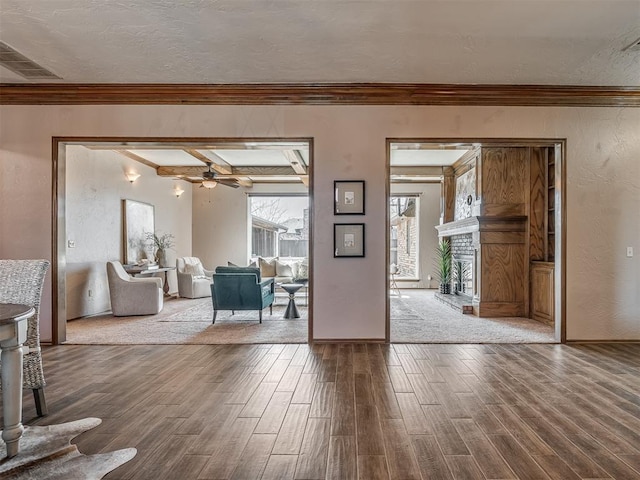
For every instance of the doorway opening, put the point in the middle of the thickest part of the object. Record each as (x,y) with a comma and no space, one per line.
(198,191)
(483,222)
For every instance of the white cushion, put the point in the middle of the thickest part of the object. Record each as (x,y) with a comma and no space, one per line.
(194,269)
(284,269)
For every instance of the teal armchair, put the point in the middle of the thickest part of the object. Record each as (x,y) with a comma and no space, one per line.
(241,288)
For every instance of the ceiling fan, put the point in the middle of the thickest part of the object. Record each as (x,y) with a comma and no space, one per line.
(210,179)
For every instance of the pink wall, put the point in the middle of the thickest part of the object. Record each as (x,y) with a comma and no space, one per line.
(603,191)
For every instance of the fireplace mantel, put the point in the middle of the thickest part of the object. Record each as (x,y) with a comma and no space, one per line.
(482,224)
(498,266)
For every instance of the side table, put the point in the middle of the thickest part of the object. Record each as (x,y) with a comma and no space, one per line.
(13,333)
(292,309)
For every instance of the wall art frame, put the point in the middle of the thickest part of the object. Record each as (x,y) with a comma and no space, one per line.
(138,220)
(348,240)
(348,197)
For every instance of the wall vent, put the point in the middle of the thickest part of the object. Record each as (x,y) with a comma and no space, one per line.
(18,63)
(635,46)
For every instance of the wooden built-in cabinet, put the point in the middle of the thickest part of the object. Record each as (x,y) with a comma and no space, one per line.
(513,226)
(542,235)
(542,292)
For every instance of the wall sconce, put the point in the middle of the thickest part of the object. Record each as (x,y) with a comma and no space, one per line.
(132,176)
(177,190)
(209,184)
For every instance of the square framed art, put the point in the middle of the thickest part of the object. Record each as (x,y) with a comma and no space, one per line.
(348,197)
(348,239)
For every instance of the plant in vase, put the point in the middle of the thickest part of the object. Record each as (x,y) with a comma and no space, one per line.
(443,265)
(161,243)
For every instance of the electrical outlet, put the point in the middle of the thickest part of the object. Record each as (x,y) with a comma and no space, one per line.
(71,243)
(629,252)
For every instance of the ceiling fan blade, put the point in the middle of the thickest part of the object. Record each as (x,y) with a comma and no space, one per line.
(228,183)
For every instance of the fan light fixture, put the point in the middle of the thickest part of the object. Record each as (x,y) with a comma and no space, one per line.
(209,183)
(132,176)
(178,191)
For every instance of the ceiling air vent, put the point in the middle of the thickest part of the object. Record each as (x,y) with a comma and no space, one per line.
(18,63)
(635,46)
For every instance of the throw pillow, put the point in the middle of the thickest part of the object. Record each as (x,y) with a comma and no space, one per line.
(303,271)
(231,264)
(253,265)
(283,269)
(267,267)
(194,269)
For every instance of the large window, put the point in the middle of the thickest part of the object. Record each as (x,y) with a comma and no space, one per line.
(404,235)
(279,226)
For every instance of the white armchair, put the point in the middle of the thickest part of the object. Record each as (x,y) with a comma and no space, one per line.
(133,296)
(193,280)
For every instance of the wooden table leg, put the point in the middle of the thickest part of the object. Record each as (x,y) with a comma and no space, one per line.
(11,358)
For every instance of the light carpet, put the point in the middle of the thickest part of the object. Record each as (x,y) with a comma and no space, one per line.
(418,317)
(188,321)
(46,453)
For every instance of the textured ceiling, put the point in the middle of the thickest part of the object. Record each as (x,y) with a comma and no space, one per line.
(561,42)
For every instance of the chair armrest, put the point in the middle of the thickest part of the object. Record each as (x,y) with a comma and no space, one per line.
(158,281)
(266,282)
(208,273)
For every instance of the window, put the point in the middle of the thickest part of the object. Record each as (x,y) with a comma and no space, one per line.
(279,226)
(404,235)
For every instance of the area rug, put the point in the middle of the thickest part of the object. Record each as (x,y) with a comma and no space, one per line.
(46,453)
(188,321)
(418,317)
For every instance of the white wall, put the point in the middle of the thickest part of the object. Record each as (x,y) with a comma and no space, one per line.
(221,222)
(95,188)
(603,191)
(429,211)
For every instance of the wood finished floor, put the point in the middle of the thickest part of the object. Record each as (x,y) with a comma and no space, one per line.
(348,411)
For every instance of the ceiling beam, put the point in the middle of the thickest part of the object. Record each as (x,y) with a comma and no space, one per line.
(235,171)
(137,158)
(245,182)
(417,170)
(318,94)
(217,163)
(295,159)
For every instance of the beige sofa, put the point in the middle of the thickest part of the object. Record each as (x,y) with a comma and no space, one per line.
(284,270)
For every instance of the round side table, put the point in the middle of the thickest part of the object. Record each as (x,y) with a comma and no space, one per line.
(291,289)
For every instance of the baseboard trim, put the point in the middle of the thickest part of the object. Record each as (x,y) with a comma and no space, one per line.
(348,340)
(575,342)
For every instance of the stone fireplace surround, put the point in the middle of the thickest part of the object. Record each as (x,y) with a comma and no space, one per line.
(462,251)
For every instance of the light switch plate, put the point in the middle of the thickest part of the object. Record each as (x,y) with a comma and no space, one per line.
(71,243)
(629,251)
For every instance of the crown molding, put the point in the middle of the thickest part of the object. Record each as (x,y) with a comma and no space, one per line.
(318,94)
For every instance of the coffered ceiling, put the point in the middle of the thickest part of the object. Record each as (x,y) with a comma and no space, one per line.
(231,163)
(516,42)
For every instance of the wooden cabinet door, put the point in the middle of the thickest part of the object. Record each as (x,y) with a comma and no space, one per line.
(542,297)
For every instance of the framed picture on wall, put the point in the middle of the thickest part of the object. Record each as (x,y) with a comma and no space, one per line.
(348,197)
(348,239)
(138,220)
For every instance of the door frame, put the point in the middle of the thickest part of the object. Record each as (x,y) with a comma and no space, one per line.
(58,211)
(560,145)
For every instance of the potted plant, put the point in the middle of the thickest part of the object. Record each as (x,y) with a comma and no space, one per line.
(443,266)
(161,243)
